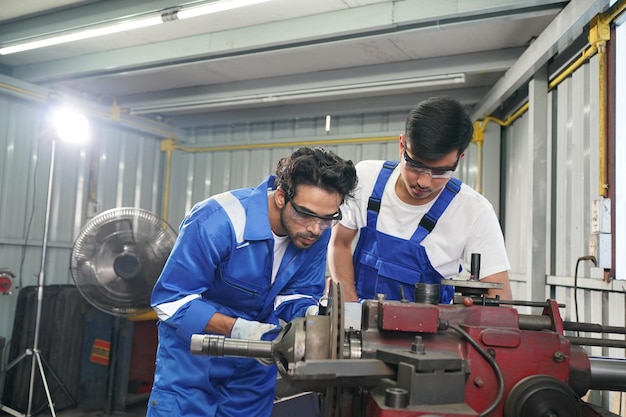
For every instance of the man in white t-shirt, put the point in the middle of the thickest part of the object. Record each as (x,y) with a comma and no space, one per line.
(415,223)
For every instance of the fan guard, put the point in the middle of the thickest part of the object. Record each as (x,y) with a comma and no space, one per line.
(117,258)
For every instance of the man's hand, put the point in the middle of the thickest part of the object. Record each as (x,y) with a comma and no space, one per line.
(253,330)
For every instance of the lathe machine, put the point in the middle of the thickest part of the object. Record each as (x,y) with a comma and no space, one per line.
(475,357)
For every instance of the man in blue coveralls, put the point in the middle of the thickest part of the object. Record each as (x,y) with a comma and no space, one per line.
(243,260)
(417,224)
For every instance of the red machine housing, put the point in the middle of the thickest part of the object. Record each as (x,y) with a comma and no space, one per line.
(443,361)
(478,357)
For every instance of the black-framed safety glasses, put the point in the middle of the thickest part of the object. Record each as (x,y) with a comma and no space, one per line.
(419,168)
(305,217)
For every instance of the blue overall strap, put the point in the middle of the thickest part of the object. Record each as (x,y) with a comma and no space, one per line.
(373,205)
(428,222)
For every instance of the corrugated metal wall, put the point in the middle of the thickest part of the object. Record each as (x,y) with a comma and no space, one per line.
(198,175)
(117,168)
(572,184)
(573,155)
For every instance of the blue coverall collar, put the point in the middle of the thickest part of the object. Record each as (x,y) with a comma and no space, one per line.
(258,223)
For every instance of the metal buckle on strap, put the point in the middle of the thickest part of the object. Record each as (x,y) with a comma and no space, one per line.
(428,222)
(390,164)
(373,205)
(453,186)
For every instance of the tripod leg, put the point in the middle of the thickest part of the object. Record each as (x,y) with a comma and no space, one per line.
(60,384)
(45,383)
(14,362)
(17,360)
(10,411)
(58,380)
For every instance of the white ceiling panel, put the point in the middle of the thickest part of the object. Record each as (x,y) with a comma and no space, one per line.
(271,47)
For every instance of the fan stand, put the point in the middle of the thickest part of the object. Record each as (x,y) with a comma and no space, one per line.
(38,362)
(126,266)
(109,405)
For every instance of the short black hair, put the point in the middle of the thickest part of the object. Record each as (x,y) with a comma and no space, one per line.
(317,167)
(437,126)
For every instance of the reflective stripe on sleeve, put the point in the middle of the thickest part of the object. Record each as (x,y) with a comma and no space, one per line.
(166,310)
(282,298)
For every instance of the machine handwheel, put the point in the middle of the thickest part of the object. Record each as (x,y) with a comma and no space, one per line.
(542,396)
(332,395)
(335,311)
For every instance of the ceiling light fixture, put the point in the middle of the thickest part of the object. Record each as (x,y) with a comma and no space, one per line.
(343,91)
(153,19)
(83,34)
(215,7)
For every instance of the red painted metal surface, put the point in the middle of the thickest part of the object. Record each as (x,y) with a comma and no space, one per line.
(518,353)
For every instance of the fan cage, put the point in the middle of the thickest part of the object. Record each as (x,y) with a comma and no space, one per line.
(133,232)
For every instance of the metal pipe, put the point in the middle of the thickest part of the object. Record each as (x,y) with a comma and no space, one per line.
(591,341)
(543,322)
(607,374)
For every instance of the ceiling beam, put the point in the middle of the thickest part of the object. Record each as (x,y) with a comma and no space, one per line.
(563,30)
(83,15)
(475,63)
(372,105)
(41,95)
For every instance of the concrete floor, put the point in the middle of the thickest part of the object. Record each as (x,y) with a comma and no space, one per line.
(292,402)
(135,411)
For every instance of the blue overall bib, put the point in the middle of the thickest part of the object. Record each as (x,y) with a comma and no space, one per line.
(389,265)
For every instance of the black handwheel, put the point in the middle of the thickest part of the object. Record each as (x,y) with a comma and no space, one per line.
(332,395)
(542,396)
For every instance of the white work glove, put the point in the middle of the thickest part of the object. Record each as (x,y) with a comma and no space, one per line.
(313,310)
(252,330)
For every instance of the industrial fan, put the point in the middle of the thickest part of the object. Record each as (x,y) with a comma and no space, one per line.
(115,262)
(118,257)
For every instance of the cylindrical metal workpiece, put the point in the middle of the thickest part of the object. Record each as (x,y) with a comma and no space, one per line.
(608,373)
(215,345)
(426,293)
(396,398)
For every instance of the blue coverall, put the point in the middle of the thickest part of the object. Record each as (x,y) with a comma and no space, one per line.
(222,262)
(400,264)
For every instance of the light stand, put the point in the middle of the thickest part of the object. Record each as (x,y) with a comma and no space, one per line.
(38,362)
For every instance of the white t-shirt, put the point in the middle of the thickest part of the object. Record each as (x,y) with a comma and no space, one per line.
(469,224)
(280,247)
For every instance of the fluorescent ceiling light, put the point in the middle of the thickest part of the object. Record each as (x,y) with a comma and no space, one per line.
(116,27)
(214,7)
(279,97)
(83,34)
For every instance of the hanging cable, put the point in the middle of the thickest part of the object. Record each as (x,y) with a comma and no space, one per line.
(595,263)
(491,362)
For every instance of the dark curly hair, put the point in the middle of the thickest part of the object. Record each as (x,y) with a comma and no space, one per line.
(438,126)
(316,167)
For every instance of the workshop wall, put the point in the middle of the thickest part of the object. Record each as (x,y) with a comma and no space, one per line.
(117,168)
(572,155)
(571,182)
